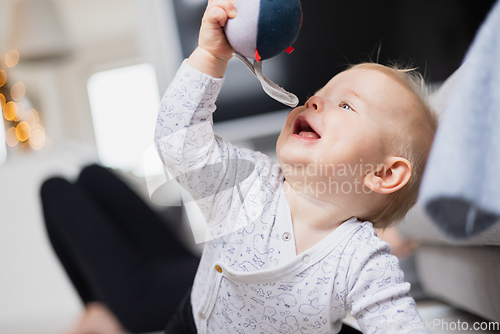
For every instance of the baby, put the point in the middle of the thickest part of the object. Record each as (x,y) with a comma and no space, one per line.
(293,245)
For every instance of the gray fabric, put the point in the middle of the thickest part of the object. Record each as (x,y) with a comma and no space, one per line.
(418,226)
(465,277)
(461,187)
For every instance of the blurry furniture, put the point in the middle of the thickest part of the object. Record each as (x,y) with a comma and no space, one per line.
(461,272)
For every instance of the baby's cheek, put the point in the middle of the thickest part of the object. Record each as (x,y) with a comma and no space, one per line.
(365,149)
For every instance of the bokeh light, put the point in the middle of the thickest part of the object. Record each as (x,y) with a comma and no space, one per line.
(23,131)
(17,91)
(32,117)
(24,128)
(10,111)
(37,138)
(3,77)
(20,110)
(12,58)
(11,138)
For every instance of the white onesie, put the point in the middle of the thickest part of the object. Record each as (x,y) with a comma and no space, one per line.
(250,279)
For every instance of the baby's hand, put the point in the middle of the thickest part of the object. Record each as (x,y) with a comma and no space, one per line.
(214,51)
(212,37)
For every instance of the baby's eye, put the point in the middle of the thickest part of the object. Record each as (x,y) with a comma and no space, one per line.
(344,105)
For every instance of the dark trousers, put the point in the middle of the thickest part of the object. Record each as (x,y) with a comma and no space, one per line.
(116,250)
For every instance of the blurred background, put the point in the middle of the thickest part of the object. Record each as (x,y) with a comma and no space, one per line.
(81,81)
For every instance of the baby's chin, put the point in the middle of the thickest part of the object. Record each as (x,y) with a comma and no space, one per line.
(288,155)
(289,160)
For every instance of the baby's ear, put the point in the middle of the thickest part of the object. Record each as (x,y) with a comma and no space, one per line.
(389,177)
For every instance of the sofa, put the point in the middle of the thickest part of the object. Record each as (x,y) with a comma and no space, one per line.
(463,273)
(463,270)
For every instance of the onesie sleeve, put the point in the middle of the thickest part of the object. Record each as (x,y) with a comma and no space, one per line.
(183,136)
(215,174)
(377,293)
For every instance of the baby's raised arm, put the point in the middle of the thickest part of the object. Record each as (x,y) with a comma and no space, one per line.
(215,173)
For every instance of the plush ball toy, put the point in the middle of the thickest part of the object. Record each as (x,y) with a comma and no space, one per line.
(263,29)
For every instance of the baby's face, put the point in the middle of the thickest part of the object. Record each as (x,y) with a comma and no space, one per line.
(349,122)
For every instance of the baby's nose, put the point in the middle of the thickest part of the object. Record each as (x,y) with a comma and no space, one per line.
(314,102)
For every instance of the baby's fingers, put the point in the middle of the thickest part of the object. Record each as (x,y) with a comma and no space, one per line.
(218,12)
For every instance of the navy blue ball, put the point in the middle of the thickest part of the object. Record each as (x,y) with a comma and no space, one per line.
(278,27)
(263,29)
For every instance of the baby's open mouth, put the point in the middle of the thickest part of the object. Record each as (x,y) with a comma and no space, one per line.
(303,129)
